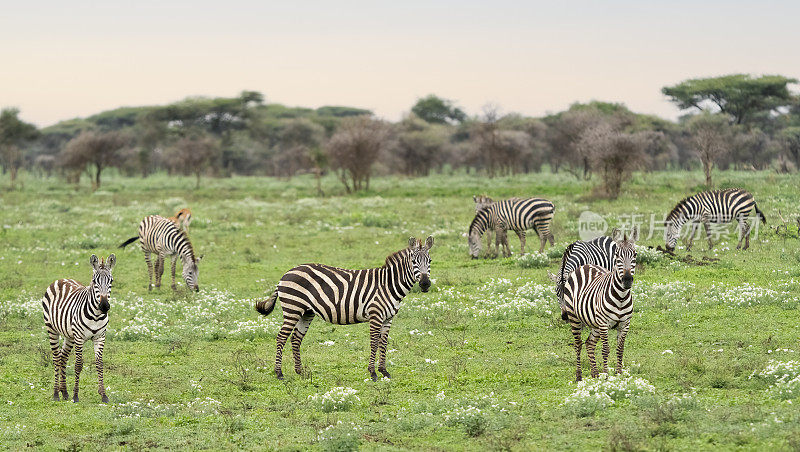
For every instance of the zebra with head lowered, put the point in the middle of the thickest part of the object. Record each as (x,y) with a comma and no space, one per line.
(601,300)
(482,202)
(344,297)
(517,214)
(598,251)
(79,314)
(161,236)
(713,206)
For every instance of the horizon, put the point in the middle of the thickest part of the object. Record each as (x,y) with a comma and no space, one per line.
(73,61)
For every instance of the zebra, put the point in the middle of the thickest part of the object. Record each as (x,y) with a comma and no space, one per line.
(345,297)
(482,202)
(78,313)
(182,219)
(601,299)
(713,206)
(159,235)
(598,251)
(517,214)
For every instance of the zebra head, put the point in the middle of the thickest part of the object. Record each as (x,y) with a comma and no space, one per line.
(671,233)
(102,279)
(625,257)
(481,202)
(190,273)
(421,261)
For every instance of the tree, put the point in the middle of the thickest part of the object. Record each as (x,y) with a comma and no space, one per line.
(436,110)
(193,155)
(93,148)
(419,145)
(13,134)
(354,148)
(614,154)
(741,97)
(791,140)
(710,136)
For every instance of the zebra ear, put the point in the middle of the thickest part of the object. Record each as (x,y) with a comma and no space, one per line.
(475,198)
(615,233)
(412,242)
(429,242)
(111,262)
(94,261)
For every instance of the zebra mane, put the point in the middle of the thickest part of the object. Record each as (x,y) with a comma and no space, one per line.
(675,212)
(396,256)
(183,234)
(482,213)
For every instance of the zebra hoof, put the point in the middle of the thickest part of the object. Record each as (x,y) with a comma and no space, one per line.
(64,396)
(298,370)
(279,374)
(75,399)
(385,373)
(373,375)
(56,398)
(104,399)
(174,287)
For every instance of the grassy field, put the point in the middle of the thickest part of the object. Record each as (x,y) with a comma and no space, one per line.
(481,361)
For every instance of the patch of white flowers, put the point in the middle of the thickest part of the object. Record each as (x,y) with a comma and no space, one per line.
(748,295)
(533,260)
(150,408)
(645,255)
(595,394)
(337,399)
(784,379)
(338,430)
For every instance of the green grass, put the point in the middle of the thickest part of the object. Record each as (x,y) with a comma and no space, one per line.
(481,361)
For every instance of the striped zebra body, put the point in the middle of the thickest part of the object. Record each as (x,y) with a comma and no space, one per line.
(160,236)
(516,214)
(713,206)
(345,297)
(79,314)
(482,202)
(600,300)
(599,251)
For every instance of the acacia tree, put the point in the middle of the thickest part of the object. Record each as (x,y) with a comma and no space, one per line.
(710,137)
(741,97)
(93,148)
(435,110)
(13,134)
(355,147)
(193,155)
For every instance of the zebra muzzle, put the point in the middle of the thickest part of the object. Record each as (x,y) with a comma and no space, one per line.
(425,283)
(104,305)
(627,280)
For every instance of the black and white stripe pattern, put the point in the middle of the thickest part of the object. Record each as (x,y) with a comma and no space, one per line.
(79,314)
(161,236)
(516,214)
(344,297)
(714,206)
(599,251)
(482,202)
(601,299)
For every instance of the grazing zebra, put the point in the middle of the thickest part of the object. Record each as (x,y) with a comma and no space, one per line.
(344,297)
(182,219)
(517,214)
(78,313)
(482,202)
(159,235)
(713,206)
(601,299)
(598,251)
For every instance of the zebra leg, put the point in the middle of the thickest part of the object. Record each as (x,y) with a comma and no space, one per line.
(290,319)
(521,235)
(174,261)
(300,331)
(78,367)
(63,359)
(489,242)
(375,326)
(99,343)
(622,331)
(54,348)
(149,270)
(692,233)
(747,227)
(744,233)
(159,270)
(606,349)
(578,343)
(382,348)
(707,228)
(591,345)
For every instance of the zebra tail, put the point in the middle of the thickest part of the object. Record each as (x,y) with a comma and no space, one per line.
(128,242)
(265,307)
(758,211)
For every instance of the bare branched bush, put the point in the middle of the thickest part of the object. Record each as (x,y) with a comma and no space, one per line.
(355,147)
(92,148)
(710,137)
(193,155)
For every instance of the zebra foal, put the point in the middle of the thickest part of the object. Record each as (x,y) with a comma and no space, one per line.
(344,297)
(79,314)
(601,299)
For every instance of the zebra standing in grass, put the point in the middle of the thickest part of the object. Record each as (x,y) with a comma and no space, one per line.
(482,202)
(518,214)
(78,313)
(713,206)
(345,297)
(598,251)
(159,235)
(601,299)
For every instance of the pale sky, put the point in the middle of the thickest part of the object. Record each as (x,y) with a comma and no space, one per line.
(62,59)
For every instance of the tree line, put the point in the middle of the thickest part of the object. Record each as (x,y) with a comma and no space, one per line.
(736,121)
